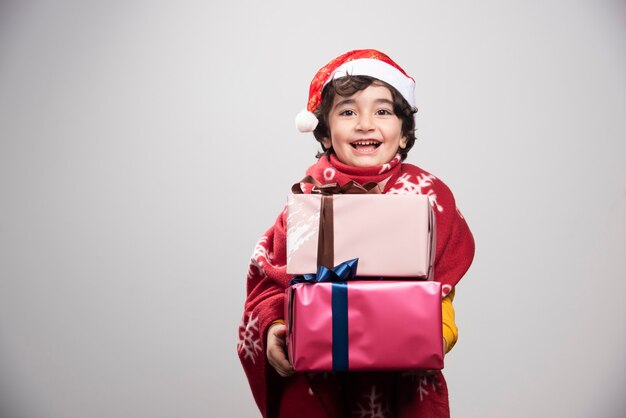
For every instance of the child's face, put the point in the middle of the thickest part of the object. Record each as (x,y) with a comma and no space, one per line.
(364,130)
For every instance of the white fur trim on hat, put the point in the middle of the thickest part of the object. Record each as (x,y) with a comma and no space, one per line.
(380,70)
(306,121)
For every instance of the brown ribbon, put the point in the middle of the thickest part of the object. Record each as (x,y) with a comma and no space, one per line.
(325,239)
(352,187)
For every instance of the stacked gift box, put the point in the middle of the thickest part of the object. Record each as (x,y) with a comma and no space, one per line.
(363,297)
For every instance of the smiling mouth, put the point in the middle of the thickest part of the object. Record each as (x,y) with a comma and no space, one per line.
(366,145)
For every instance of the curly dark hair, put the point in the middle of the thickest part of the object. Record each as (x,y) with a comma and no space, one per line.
(347,86)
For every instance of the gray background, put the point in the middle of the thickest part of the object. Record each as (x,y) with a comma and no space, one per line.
(146,145)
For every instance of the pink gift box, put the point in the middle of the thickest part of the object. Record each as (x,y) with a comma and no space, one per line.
(391,235)
(391,325)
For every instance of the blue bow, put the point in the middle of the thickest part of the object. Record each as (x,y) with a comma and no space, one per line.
(340,273)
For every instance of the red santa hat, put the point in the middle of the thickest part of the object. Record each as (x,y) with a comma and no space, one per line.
(367,62)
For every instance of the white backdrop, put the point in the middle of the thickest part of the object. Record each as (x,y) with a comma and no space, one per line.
(146,145)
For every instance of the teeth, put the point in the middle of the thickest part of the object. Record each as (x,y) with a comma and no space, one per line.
(365,143)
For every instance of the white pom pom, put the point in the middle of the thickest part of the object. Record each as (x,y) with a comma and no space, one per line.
(306,121)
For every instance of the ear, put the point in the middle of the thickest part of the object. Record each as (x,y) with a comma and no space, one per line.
(327,143)
(403,142)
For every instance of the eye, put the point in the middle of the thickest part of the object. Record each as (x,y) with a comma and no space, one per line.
(346,112)
(384,112)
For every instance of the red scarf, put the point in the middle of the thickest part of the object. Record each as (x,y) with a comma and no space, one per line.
(400,394)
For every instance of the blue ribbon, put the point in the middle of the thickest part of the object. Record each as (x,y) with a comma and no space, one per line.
(339,303)
(338,276)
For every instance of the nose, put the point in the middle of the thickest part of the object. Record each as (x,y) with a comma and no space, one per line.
(365,122)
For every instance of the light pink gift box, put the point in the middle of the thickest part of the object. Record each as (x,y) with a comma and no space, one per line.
(391,235)
(392,325)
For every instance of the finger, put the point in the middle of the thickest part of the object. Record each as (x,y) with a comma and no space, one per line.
(283,368)
(279,361)
(285,372)
(284,364)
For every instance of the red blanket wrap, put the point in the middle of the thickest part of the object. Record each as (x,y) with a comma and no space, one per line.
(382,394)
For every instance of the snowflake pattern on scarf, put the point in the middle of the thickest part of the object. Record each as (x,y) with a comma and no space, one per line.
(423,185)
(425,385)
(249,344)
(373,406)
(259,256)
(262,254)
(387,166)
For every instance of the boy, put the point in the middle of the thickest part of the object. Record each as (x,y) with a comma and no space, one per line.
(361,109)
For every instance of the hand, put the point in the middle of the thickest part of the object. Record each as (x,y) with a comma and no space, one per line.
(276,335)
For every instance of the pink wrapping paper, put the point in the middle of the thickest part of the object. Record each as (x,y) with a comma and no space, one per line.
(392,325)
(391,235)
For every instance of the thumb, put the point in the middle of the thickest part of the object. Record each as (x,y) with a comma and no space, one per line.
(280,331)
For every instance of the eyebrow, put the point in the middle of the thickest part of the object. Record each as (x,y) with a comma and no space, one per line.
(352,101)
